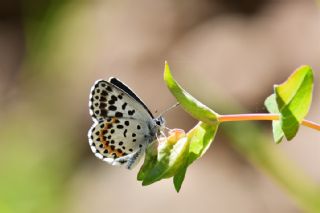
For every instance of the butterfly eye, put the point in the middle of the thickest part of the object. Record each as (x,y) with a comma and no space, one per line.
(160,121)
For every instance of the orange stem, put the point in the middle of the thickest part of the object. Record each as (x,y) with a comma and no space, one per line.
(263,117)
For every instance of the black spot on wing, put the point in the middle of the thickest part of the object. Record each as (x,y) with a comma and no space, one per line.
(131,112)
(104,93)
(114,98)
(111,102)
(109,88)
(102,105)
(103,113)
(112,108)
(119,114)
(120,126)
(102,98)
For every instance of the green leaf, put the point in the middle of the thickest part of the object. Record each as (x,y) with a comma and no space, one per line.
(178,157)
(170,154)
(188,103)
(150,160)
(272,107)
(294,98)
(179,177)
(200,138)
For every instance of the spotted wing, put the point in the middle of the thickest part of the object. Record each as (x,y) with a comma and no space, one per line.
(119,140)
(108,100)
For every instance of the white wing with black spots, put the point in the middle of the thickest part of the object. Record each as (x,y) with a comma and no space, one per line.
(107,100)
(117,140)
(123,125)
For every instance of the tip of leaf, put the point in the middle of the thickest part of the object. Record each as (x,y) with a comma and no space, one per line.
(307,67)
(167,72)
(191,105)
(166,66)
(177,188)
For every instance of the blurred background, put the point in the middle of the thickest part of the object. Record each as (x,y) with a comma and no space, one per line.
(227,53)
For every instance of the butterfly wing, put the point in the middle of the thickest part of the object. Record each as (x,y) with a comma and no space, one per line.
(108,100)
(118,140)
(123,126)
(126,89)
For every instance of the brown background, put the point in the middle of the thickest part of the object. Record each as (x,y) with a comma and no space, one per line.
(225,53)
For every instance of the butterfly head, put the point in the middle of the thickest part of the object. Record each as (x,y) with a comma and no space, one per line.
(160,122)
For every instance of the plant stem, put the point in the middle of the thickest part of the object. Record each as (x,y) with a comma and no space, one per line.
(261,117)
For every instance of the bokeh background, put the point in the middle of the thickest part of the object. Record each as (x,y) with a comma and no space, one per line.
(228,54)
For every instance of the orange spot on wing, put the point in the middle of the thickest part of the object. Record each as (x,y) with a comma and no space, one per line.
(106,144)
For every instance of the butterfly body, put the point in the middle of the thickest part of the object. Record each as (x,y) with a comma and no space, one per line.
(123,125)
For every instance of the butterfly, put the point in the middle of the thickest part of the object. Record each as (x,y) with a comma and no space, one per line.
(123,126)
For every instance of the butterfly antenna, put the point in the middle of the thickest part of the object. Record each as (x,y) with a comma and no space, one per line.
(170,108)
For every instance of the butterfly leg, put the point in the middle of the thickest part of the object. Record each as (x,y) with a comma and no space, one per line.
(133,161)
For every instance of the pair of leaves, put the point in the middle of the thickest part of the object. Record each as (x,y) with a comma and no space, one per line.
(171,157)
(292,100)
